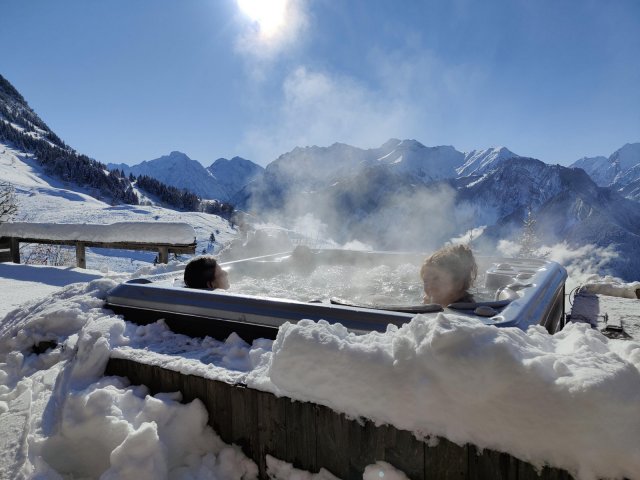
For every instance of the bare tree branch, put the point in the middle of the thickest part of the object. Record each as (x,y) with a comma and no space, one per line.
(8,202)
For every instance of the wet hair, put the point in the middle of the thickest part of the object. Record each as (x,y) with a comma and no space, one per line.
(458,260)
(200,271)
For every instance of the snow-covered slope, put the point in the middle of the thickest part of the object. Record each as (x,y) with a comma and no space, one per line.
(44,199)
(23,130)
(477,162)
(618,170)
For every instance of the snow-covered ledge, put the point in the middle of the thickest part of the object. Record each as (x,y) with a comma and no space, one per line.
(135,232)
(156,236)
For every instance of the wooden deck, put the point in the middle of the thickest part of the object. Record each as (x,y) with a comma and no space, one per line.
(312,436)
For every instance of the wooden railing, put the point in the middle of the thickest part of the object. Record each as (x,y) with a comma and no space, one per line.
(163,249)
(180,238)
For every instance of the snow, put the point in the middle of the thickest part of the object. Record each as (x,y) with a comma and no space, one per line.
(42,199)
(576,394)
(147,232)
(58,416)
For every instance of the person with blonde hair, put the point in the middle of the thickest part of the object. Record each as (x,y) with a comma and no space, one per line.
(448,274)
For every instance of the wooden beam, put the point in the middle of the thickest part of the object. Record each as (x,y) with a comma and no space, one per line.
(163,254)
(81,260)
(15,250)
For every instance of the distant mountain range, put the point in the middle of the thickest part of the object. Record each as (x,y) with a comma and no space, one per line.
(404,195)
(619,171)
(401,195)
(219,181)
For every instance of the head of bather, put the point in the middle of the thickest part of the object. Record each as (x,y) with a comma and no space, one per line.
(204,272)
(447,275)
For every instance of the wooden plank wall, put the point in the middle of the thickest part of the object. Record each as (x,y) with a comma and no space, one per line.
(312,436)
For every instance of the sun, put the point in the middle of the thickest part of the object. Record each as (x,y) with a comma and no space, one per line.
(268,14)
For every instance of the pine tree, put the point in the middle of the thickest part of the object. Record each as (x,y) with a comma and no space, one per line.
(529,241)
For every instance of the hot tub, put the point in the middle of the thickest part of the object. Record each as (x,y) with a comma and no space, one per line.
(376,289)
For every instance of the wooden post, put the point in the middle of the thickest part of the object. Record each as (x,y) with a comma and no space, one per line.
(15,250)
(163,254)
(81,260)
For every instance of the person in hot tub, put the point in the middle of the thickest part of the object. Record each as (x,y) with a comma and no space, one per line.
(204,272)
(448,274)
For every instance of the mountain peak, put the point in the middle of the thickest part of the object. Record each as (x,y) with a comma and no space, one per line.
(391,143)
(178,154)
(477,162)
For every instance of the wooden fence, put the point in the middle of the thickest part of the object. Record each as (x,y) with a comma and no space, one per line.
(312,436)
(13,244)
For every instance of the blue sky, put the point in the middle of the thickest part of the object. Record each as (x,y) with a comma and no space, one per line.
(127,81)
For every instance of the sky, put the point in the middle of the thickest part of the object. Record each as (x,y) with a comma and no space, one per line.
(125,81)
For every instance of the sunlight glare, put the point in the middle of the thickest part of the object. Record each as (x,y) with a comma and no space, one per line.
(268,14)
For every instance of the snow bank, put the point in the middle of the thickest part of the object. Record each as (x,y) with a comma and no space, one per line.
(58,416)
(279,470)
(612,287)
(149,232)
(568,399)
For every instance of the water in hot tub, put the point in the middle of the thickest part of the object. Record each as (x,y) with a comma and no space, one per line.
(382,285)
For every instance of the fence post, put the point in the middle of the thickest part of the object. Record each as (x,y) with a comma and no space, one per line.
(15,250)
(163,254)
(81,260)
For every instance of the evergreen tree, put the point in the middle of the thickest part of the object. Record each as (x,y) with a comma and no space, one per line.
(529,241)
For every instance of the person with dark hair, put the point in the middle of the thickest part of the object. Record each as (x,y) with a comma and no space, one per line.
(448,274)
(205,272)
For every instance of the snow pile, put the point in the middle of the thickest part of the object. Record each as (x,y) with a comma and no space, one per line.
(612,287)
(279,470)
(59,417)
(149,232)
(571,400)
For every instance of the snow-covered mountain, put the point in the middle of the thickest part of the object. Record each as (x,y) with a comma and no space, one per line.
(412,159)
(232,175)
(177,170)
(477,162)
(598,168)
(568,206)
(316,168)
(385,198)
(620,169)
(21,129)
(220,181)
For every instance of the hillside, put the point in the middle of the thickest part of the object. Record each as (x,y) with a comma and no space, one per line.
(25,134)
(21,128)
